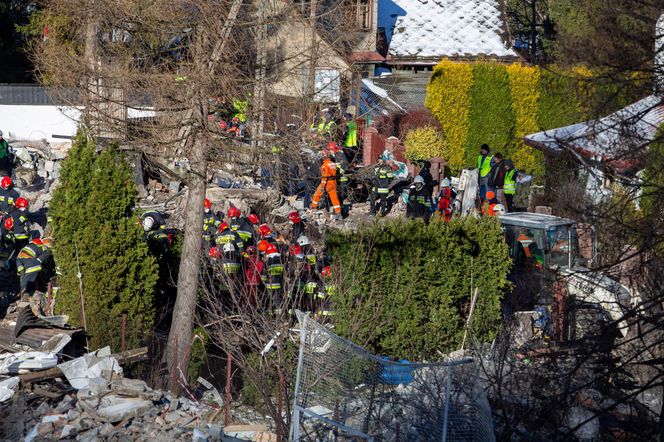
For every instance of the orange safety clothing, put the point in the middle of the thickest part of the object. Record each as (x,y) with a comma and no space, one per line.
(328,183)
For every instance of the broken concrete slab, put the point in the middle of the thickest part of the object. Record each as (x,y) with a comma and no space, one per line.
(56,343)
(114,408)
(23,362)
(7,388)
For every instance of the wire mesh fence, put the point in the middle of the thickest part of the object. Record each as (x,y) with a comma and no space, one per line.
(344,393)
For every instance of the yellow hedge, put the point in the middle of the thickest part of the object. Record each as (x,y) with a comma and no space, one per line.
(525,103)
(424,143)
(448,98)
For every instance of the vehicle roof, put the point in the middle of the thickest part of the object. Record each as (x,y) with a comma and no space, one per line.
(533,220)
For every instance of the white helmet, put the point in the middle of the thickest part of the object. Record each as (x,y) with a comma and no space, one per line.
(446,182)
(148,223)
(303,241)
(229,247)
(419,179)
(499,209)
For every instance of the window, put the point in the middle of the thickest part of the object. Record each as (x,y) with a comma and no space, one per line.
(364,14)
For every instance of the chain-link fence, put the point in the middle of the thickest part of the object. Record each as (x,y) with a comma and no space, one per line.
(344,393)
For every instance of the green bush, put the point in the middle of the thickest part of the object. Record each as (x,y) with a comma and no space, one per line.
(491,119)
(95,233)
(558,105)
(405,286)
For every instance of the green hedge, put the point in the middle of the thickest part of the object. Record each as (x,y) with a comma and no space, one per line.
(492,119)
(405,286)
(95,233)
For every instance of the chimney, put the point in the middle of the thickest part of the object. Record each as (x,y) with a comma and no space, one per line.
(659,57)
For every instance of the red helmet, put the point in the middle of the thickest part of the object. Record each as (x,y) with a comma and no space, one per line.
(271,248)
(326,272)
(253,218)
(222,125)
(6,182)
(262,245)
(207,203)
(22,203)
(223,226)
(295,250)
(264,230)
(490,195)
(9,223)
(233,212)
(38,241)
(333,147)
(294,217)
(214,252)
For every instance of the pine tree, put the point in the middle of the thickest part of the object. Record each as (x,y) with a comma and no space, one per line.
(96,235)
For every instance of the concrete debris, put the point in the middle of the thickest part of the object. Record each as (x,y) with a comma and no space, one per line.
(56,343)
(7,388)
(23,362)
(79,371)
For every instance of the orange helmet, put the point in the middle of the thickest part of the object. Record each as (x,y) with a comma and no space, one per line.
(207,203)
(490,195)
(22,203)
(6,182)
(262,245)
(294,217)
(9,223)
(264,230)
(271,248)
(223,226)
(38,241)
(233,212)
(253,218)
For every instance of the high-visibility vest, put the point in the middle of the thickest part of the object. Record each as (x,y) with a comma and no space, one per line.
(351,138)
(509,186)
(484,166)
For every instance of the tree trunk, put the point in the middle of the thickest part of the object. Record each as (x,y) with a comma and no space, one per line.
(180,336)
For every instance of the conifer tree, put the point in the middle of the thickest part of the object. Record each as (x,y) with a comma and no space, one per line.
(96,234)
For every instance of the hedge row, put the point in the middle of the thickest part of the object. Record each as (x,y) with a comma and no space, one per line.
(485,102)
(405,286)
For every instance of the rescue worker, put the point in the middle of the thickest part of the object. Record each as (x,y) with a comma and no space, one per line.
(328,185)
(383,175)
(210,222)
(343,166)
(29,264)
(155,235)
(429,182)
(307,250)
(8,195)
(241,225)
(483,168)
(230,259)
(497,176)
(298,227)
(225,235)
(419,200)
(266,234)
(509,184)
(445,208)
(5,157)
(21,223)
(273,276)
(157,217)
(7,240)
(350,138)
(253,269)
(324,302)
(255,221)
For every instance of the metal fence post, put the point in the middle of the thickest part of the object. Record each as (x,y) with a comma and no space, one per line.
(294,435)
(448,394)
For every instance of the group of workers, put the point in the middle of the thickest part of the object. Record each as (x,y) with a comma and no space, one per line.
(498,180)
(21,249)
(258,261)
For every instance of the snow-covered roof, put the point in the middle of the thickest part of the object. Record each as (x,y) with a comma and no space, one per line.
(433,29)
(619,139)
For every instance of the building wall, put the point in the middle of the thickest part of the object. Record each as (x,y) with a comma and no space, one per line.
(32,123)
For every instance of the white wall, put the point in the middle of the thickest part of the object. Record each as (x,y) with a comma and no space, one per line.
(38,122)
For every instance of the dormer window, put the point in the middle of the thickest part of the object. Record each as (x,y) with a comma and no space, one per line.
(364,14)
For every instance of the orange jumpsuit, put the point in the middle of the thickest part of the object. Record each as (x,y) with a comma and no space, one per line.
(328,183)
